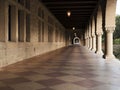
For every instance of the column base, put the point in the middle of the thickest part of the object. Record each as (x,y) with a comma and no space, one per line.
(109,57)
(90,48)
(93,50)
(99,52)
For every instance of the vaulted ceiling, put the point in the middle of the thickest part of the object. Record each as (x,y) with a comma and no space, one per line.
(81,11)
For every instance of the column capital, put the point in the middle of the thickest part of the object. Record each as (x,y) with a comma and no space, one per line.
(110,29)
(93,34)
(90,36)
(85,37)
(99,33)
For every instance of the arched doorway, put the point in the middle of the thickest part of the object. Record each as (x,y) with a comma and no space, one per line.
(76,41)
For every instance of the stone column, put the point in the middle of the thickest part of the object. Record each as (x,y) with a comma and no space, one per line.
(88,42)
(54,30)
(93,35)
(24,27)
(93,43)
(99,43)
(90,35)
(109,43)
(109,27)
(85,39)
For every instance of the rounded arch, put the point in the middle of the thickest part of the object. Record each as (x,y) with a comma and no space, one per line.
(76,40)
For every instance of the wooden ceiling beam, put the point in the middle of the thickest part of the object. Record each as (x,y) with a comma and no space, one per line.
(70,2)
(70,7)
(81,10)
(63,9)
(74,13)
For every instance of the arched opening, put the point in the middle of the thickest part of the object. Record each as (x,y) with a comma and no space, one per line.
(116,34)
(118,7)
(76,41)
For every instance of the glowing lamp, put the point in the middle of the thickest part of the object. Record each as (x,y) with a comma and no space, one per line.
(68,13)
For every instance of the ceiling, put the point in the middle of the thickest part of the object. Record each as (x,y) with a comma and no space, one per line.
(81,11)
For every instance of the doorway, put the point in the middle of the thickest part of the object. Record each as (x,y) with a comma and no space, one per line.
(76,41)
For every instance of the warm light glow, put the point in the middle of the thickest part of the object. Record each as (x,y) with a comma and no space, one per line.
(68,13)
(73,28)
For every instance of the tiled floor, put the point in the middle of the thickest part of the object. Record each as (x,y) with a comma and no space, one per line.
(76,68)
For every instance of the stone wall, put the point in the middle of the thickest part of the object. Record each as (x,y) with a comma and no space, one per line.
(26,46)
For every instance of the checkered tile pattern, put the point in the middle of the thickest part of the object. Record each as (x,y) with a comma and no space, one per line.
(75,68)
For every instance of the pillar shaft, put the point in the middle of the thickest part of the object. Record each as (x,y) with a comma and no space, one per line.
(93,43)
(88,42)
(109,43)
(99,44)
(110,24)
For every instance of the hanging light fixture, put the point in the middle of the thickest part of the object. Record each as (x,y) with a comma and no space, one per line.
(68,13)
(73,28)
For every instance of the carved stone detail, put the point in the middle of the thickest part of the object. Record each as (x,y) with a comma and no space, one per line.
(110,29)
(99,33)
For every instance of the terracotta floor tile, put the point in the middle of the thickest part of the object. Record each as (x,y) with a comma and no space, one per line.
(15,80)
(86,75)
(6,88)
(56,74)
(46,89)
(75,68)
(51,82)
(70,78)
(106,87)
(88,83)
(27,86)
(37,77)
(68,86)
(27,73)
(7,75)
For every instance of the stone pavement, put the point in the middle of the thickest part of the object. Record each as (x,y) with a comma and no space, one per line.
(75,68)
